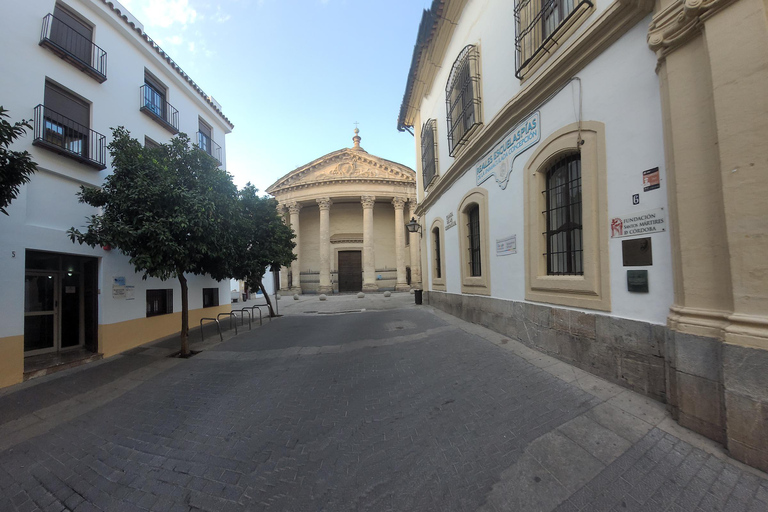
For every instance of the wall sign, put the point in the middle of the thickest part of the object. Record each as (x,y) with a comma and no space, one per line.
(637,281)
(506,246)
(651,180)
(449,221)
(640,223)
(499,160)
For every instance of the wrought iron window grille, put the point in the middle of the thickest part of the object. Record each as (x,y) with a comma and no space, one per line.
(462,98)
(438,262)
(564,230)
(208,145)
(74,47)
(67,137)
(429,152)
(539,25)
(473,235)
(152,103)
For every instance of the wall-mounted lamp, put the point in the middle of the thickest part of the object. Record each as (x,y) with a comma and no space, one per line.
(413,227)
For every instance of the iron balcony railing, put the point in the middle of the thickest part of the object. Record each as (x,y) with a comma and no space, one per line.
(74,47)
(209,146)
(540,24)
(69,138)
(153,104)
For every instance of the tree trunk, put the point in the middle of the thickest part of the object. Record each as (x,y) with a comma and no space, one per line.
(266,297)
(184,316)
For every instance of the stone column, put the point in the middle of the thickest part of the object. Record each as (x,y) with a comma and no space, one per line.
(402,283)
(414,246)
(369,260)
(282,210)
(325,245)
(295,208)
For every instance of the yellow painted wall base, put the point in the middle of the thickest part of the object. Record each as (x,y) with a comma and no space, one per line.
(122,336)
(11,360)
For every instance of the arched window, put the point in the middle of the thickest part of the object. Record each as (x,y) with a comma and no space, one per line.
(462,98)
(564,226)
(429,152)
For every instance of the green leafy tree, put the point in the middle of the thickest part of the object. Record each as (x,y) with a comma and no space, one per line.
(167,209)
(262,240)
(16,167)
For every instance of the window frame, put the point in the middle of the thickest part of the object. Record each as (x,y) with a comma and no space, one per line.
(165,296)
(467,63)
(591,290)
(437,273)
(564,213)
(475,284)
(429,153)
(215,297)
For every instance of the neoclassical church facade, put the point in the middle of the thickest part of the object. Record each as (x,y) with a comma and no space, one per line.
(348,210)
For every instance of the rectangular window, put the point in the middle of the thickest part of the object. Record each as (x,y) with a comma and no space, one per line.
(473,231)
(204,136)
(564,225)
(540,24)
(66,120)
(429,152)
(159,302)
(150,144)
(154,96)
(71,33)
(210,297)
(438,262)
(462,98)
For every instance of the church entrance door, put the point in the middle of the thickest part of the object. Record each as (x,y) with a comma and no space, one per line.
(350,271)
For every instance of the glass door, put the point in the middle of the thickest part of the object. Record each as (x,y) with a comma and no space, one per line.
(41,291)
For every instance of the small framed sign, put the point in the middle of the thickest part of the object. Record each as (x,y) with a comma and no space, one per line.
(651,180)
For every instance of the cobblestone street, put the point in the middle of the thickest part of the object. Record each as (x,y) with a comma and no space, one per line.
(395,409)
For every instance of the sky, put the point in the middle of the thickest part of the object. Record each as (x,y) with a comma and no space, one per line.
(294,75)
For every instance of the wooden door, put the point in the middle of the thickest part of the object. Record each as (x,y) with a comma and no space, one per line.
(350,271)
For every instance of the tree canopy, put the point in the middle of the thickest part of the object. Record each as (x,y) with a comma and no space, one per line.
(167,209)
(16,167)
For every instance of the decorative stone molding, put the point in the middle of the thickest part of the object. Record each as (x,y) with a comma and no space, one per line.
(367,201)
(399,203)
(293,207)
(324,203)
(680,22)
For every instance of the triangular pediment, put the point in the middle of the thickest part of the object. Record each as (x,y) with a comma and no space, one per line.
(345,165)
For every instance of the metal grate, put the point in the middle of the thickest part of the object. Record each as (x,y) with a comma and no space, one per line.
(473,234)
(539,24)
(74,46)
(429,151)
(563,218)
(438,262)
(209,146)
(70,138)
(462,98)
(153,103)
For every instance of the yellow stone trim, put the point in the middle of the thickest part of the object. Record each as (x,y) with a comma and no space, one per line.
(11,360)
(121,336)
(591,290)
(480,285)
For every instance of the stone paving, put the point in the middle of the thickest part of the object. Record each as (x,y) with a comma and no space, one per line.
(394,408)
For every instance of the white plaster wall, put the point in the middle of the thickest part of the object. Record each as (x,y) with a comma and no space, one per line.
(619,89)
(47,206)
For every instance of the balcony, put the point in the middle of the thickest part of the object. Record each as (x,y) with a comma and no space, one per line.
(74,48)
(209,146)
(154,105)
(62,135)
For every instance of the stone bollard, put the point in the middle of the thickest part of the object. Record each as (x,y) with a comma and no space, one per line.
(413,290)
(360,295)
(295,296)
(387,294)
(322,296)
(278,296)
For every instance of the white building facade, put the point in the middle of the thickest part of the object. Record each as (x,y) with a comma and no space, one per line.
(78,68)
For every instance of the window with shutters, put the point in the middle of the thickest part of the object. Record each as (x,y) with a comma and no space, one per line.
(70,36)
(62,125)
(154,103)
(429,152)
(462,98)
(205,140)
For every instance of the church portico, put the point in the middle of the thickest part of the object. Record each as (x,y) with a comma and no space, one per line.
(348,212)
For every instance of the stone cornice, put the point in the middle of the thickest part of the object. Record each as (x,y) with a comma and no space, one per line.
(680,22)
(609,26)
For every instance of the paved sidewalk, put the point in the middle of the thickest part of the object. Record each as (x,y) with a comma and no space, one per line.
(397,407)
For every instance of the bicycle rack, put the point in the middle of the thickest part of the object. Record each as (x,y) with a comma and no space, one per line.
(230,315)
(242,317)
(259,306)
(218,326)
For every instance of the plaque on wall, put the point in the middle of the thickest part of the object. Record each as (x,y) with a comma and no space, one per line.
(637,252)
(637,281)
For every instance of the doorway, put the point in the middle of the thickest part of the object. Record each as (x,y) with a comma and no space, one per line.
(350,271)
(60,303)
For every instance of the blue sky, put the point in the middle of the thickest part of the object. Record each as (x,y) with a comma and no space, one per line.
(294,75)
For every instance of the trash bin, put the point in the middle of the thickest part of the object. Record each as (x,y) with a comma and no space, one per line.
(417,295)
